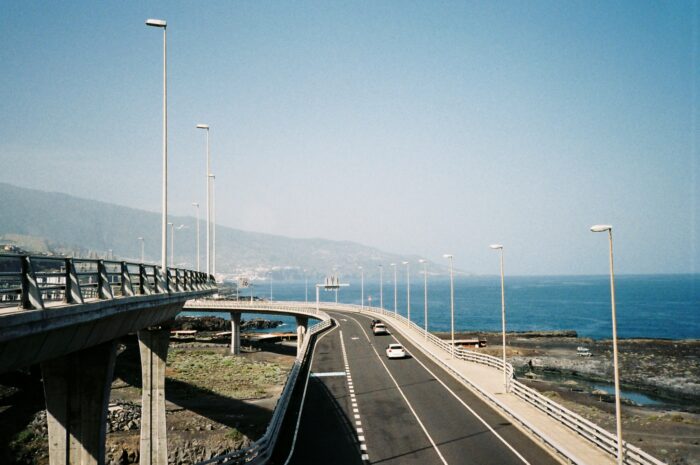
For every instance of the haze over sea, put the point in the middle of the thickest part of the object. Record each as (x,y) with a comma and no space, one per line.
(648,306)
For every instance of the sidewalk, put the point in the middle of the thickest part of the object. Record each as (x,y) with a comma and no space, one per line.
(488,382)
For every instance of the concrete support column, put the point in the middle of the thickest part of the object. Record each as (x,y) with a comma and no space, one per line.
(76,388)
(153,345)
(236,333)
(302,324)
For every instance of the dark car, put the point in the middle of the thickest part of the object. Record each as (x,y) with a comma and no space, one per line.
(374,322)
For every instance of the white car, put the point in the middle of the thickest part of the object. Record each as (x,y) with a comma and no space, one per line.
(395,351)
(379,328)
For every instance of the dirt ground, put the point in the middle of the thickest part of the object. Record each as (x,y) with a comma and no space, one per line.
(216,403)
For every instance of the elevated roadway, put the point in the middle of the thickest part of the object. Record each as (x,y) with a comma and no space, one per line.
(369,409)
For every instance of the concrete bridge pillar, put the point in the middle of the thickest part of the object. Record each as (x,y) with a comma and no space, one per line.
(236,333)
(76,388)
(153,345)
(302,324)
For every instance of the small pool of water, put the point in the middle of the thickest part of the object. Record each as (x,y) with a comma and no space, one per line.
(636,397)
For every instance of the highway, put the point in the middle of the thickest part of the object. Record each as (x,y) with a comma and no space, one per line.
(361,407)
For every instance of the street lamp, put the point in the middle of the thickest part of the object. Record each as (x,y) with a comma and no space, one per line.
(196,205)
(408,292)
(395,291)
(306,287)
(206,127)
(164,207)
(362,286)
(142,247)
(381,286)
(503,316)
(213,224)
(425,294)
(172,244)
(452,303)
(618,418)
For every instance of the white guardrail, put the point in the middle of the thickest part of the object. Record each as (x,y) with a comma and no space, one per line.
(260,451)
(587,429)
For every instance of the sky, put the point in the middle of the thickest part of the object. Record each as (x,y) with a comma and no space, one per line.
(416,127)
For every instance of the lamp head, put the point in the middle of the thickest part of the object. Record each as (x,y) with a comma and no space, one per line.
(203,126)
(404,263)
(392,264)
(447,256)
(156,23)
(601,228)
(195,204)
(140,238)
(422,260)
(496,246)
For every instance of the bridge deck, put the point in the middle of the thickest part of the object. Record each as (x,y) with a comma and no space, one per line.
(490,381)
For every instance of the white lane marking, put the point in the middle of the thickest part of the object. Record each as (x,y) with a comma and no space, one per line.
(466,406)
(355,410)
(303,397)
(328,373)
(410,407)
(354,338)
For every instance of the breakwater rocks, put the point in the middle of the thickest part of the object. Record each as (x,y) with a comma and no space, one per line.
(215,323)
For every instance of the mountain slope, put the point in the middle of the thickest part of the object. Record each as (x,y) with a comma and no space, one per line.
(77,226)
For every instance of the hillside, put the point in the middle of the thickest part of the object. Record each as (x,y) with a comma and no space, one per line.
(62,224)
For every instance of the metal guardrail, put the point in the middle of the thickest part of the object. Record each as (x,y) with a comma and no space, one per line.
(597,435)
(32,282)
(261,450)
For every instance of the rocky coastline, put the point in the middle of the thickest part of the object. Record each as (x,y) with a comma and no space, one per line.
(667,369)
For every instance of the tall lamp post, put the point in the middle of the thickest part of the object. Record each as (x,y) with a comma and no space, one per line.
(142,248)
(503,316)
(425,295)
(213,224)
(206,128)
(452,303)
(362,286)
(395,291)
(408,291)
(196,205)
(618,418)
(381,287)
(172,244)
(164,207)
(306,287)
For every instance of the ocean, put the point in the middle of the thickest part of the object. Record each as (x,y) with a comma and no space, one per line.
(648,306)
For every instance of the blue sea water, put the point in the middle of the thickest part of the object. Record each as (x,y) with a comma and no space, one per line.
(649,306)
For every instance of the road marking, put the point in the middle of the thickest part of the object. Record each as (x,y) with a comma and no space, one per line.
(327,374)
(354,338)
(355,409)
(464,404)
(410,407)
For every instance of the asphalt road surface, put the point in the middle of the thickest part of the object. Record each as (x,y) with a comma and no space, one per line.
(360,407)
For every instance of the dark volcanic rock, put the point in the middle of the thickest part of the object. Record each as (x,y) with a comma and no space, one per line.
(259,323)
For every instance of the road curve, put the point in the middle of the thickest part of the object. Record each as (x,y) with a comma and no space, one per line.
(362,408)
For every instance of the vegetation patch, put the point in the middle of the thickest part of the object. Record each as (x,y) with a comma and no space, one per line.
(223,374)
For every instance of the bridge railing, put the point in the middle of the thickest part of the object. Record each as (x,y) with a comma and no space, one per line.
(33,281)
(599,436)
(261,450)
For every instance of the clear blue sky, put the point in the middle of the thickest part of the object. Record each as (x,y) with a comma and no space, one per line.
(416,127)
